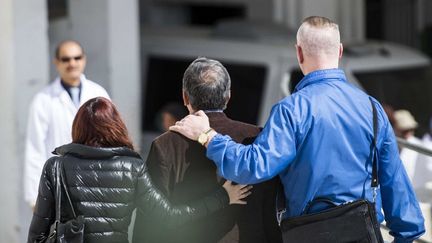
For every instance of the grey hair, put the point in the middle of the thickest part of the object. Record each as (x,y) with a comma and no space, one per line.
(207,84)
(319,35)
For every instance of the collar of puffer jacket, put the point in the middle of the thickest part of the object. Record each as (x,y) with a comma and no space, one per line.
(85,151)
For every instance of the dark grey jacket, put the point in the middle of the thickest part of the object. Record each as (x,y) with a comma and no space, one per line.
(106,185)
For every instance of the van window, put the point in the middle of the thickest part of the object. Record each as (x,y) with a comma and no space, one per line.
(409,88)
(209,15)
(163,84)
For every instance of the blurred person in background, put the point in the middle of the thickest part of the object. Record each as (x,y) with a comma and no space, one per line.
(107,180)
(406,125)
(170,114)
(52,111)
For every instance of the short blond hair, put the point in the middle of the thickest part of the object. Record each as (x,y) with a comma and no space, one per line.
(318,36)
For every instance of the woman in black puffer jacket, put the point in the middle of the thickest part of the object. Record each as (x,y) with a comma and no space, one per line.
(107,180)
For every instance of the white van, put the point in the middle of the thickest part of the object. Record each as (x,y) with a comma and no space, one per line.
(263,71)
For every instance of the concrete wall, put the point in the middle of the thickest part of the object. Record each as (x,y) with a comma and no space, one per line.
(124,51)
(110,36)
(23,71)
(7,128)
(349,14)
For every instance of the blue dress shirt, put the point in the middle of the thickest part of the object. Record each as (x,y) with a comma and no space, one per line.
(318,140)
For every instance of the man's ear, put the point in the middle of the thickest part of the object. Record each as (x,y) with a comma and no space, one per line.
(300,56)
(340,50)
(185,98)
(228,97)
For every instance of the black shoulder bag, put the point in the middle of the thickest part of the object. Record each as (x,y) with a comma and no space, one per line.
(349,222)
(71,231)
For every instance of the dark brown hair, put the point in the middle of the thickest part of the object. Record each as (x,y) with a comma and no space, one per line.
(98,124)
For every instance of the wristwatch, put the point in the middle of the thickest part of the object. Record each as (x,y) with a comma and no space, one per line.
(203,137)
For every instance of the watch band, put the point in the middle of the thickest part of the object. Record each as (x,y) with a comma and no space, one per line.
(209,130)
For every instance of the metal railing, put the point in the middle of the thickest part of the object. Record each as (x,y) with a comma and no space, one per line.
(416,147)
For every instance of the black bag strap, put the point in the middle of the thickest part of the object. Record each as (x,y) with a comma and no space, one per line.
(63,182)
(318,200)
(57,194)
(374,182)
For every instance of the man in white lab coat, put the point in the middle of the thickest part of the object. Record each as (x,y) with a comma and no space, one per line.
(52,111)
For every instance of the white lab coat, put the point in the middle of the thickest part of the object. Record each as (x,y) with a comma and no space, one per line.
(423,171)
(409,157)
(49,125)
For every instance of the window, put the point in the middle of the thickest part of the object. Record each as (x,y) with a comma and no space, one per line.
(57,9)
(402,89)
(163,84)
(209,15)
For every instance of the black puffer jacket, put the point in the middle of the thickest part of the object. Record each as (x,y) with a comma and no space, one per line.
(105,185)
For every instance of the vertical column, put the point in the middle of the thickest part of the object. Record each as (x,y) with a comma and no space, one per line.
(349,14)
(351,19)
(109,30)
(288,13)
(124,42)
(9,220)
(326,8)
(23,71)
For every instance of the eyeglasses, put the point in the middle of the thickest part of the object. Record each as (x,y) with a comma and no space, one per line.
(68,59)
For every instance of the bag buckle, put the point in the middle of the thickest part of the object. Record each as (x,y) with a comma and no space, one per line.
(279,216)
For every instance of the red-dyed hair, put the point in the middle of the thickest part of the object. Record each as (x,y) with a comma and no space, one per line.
(98,124)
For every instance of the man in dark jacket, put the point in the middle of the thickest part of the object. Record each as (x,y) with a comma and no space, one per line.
(180,169)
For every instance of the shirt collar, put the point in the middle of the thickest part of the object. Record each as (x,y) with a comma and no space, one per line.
(319,76)
(67,87)
(215,110)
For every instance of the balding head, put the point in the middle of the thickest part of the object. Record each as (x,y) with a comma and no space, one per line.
(318,44)
(206,85)
(66,43)
(319,36)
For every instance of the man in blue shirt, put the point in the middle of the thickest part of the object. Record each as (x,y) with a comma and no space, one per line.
(318,140)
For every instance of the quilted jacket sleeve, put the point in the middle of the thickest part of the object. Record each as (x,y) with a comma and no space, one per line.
(44,211)
(153,203)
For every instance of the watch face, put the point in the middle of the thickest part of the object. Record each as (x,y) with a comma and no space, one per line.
(202,139)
